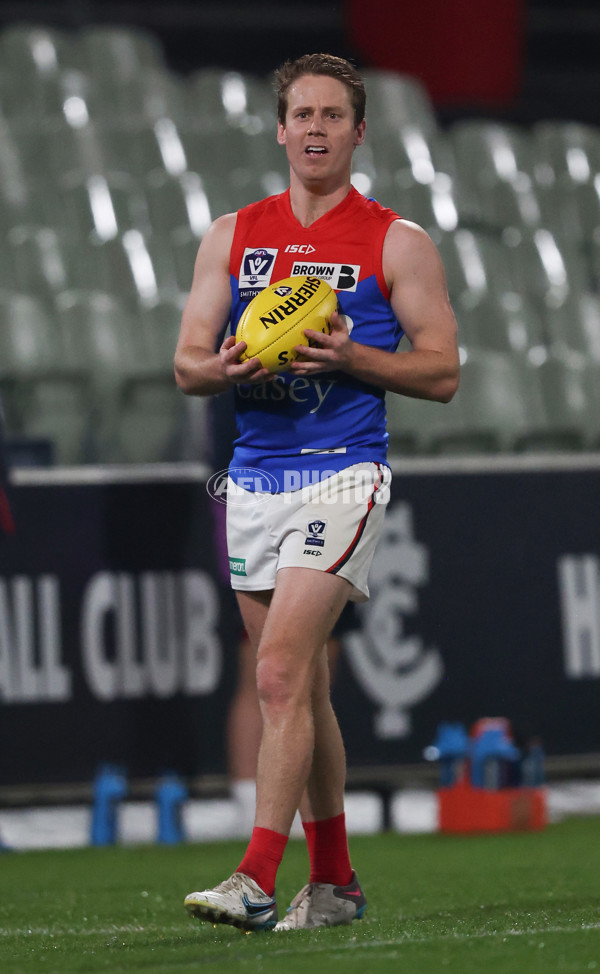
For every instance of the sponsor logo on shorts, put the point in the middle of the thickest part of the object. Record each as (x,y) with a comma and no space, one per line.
(309,551)
(237,566)
(233,485)
(256,270)
(341,277)
(315,533)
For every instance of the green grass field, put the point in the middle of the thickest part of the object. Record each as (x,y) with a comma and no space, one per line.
(524,903)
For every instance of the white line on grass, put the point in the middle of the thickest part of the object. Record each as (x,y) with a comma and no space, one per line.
(403,938)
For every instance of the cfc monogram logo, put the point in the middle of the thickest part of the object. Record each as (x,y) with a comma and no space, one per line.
(398,671)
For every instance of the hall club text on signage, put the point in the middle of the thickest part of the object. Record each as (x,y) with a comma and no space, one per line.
(152,634)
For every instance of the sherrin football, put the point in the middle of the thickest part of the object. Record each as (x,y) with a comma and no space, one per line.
(275,319)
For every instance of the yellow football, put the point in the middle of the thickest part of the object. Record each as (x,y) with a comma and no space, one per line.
(274,321)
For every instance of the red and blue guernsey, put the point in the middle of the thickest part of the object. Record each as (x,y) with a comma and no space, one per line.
(300,429)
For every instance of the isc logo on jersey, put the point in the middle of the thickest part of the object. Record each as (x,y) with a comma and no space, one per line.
(341,277)
(256,270)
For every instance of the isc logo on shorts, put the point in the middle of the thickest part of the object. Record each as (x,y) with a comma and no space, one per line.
(315,533)
(256,270)
(341,277)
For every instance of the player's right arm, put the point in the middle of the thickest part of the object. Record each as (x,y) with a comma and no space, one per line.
(199,369)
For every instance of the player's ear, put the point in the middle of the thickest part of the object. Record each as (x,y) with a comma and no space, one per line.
(359,133)
(281,134)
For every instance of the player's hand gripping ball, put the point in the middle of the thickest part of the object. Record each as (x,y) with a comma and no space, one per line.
(274,321)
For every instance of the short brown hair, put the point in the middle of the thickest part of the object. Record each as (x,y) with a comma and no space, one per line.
(328,64)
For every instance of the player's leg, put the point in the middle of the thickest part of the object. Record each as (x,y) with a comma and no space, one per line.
(244,729)
(332,895)
(303,610)
(291,632)
(244,724)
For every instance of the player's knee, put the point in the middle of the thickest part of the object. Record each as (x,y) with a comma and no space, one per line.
(280,686)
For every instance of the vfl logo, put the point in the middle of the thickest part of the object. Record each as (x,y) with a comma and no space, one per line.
(398,671)
(257,263)
(256,270)
(315,533)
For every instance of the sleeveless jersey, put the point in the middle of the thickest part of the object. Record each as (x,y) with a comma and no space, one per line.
(300,429)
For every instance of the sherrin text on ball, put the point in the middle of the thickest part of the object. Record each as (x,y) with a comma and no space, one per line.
(274,321)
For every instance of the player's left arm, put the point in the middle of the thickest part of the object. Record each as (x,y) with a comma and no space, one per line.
(419,298)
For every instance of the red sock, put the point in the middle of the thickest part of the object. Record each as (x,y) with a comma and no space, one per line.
(328,851)
(263,855)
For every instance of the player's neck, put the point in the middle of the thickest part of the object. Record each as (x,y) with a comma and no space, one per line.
(309,204)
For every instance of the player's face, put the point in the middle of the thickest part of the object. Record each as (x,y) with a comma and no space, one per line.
(319,132)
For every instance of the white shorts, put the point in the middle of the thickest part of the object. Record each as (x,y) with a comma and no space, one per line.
(332,526)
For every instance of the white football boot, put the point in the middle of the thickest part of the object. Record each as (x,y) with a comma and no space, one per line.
(238,901)
(325,905)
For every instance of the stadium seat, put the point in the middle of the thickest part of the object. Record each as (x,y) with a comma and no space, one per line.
(29,336)
(69,95)
(160,324)
(187,438)
(509,323)
(228,149)
(101,207)
(586,197)
(395,101)
(569,150)
(36,51)
(475,264)
(589,317)
(45,398)
(562,206)
(491,152)
(151,423)
(500,401)
(138,149)
(35,207)
(218,97)
(152,95)
(185,204)
(487,155)
(591,382)
(134,268)
(86,149)
(511,203)
(7,269)
(245,186)
(562,380)
(42,261)
(121,53)
(11,170)
(575,326)
(418,426)
(140,414)
(102,334)
(431,205)
(543,268)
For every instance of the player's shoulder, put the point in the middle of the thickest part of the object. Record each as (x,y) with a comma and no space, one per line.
(219,236)
(404,235)
(407,249)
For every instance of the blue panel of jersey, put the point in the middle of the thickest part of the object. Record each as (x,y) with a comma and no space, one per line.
(279,420)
